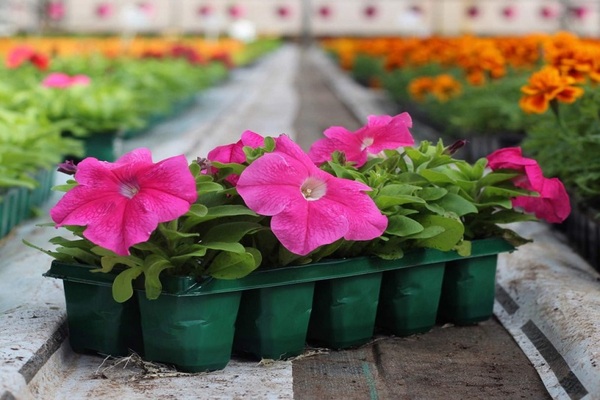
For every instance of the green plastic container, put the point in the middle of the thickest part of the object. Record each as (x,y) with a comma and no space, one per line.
(195,333)
(196,325)
(99,324)
(96,322)
(344,311)
(409,298)
(468,288)
(10,209)
(272,322)
(101,146)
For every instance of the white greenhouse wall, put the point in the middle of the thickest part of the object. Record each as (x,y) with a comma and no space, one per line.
(299,17)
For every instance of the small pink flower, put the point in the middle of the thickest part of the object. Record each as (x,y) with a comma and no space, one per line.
(370,11)
(104,10)
(147,8)
(552,204)
(56,10)
(236,11)
(473,12)
(548,12)
(381,133)
(325,11)
(234,153)
(122,203)
(205,10)
(284,11)
(63,81)
(509,12)
(579,12)
(308,206)
(415,9)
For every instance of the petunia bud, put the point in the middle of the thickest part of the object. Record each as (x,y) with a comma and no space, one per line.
(454,147)
(68,167)
(204,163)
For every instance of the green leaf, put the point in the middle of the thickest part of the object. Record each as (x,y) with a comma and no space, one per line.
(432,193)
(463,248)
(456,204)
(399,225)
(122,288)
(227,211)
(109,262)
(391,250)
(229,265)
(198,210)
(445,241)
(205,187)
(506,192)
(384,202)
(81,255)
(225,246)
(153,266)
(494,178)
(399,190)
(231,231)
(427,232)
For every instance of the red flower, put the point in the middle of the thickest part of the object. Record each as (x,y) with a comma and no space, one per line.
(23,54)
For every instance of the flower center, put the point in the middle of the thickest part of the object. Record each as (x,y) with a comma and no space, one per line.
(366,143)
(313,189)
(129,189)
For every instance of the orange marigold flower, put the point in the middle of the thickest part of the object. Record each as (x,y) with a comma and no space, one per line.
(445,87)
(420,87)
(546,85)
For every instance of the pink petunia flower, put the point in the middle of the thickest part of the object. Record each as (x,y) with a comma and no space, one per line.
(381,133)
(509,12)
(122,203)
(62,81)
(309,207)
(370,11)
(552,204)
(56,10)
(234,153)
(548,12)
(283,11)
(236,11)
(104,10)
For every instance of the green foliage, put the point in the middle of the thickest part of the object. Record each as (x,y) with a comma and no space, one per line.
(434,201)
(568,146)
(367,68)
(30,142)
(213,239)
(486,109)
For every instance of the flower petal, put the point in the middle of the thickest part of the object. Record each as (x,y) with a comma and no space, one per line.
(304,226)
(271,182)
(387,132)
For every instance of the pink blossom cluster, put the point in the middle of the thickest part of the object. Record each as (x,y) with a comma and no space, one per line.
(122,203)
(63,81)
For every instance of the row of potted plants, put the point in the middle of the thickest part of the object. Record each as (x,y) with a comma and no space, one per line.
(537,90)
(368,229)
(76,106)
(31,147)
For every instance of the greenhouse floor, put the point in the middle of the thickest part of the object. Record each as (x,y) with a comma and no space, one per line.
(542,343)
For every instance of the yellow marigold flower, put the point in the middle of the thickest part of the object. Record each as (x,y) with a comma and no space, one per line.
(546,85)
